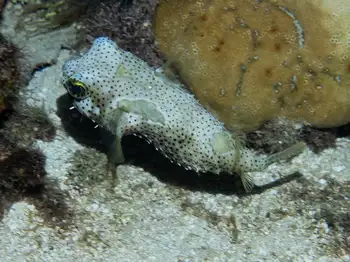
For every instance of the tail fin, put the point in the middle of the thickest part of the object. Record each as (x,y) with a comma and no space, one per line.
(251,162)
(287,153)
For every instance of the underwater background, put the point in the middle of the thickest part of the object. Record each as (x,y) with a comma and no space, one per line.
(275,72)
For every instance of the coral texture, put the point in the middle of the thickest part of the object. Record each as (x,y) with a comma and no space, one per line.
(250,61)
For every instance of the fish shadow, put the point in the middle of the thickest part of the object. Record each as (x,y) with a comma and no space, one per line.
(139,153)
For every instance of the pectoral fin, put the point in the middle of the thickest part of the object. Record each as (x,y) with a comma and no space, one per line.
(143,108)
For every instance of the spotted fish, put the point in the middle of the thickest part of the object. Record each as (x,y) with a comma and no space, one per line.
(123,94)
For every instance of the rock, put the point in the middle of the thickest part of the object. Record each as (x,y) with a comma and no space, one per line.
(39,49)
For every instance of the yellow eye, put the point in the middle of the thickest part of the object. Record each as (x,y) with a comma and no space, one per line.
(76,88)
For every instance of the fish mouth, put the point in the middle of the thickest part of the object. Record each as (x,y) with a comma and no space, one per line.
(78,107)
(86,108)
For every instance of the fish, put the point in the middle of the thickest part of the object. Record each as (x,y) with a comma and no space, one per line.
(123,94)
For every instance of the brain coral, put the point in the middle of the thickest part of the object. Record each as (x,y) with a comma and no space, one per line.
(249,61)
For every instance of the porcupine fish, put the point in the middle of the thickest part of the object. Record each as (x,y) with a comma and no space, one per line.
(123,94)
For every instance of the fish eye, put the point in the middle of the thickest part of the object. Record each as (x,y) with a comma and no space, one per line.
(76,89)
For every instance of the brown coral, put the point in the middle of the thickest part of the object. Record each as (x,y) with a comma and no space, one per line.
(250,61)
(26,124)
(129,24)
(9,72)
(23,176)
(2,5)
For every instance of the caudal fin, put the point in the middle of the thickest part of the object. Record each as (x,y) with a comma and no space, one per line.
(249,162)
